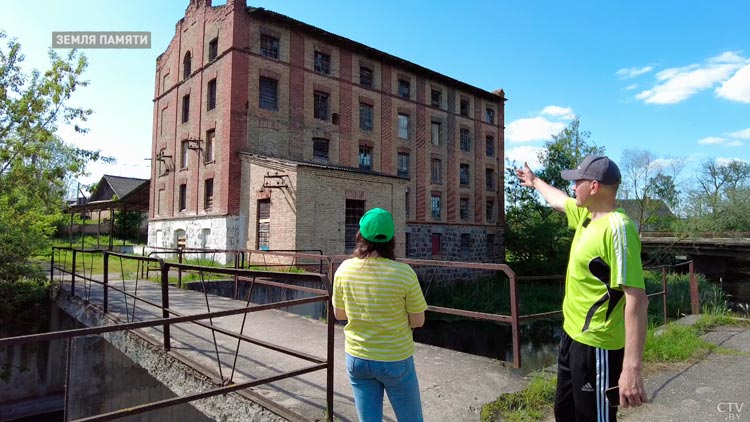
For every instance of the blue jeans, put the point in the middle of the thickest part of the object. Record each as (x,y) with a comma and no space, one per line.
(369,378)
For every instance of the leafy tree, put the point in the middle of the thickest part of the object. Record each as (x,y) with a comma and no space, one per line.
(565,151)
(34,160)
(720,200)
(650,184)
(537,236)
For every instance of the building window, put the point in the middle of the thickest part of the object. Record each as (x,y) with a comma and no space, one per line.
(404,88)
(269,46)
(268,93)
(436,240)
(465,244)
(208,152)
(365,76)
(403,126)
(365,158)
(185,108)
(403,164)
(187,65)
(407,244)
(490,145)
(435,97)
(490,245)
(490,211)
(208,194)
(355,209)
(436,133)
(320,149)
(435,206)
(464,176)
(322,63)
(182,199)
(264,224)
(436,173)
(463,208)
(407,206)
(211,99)
(160,202)
(365,116)
(465,140)
(490,116)
(464,109)
(213,49)
(320,105)
(184,151)
(489,176)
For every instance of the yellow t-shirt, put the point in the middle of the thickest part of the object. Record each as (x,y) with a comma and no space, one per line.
(377,294)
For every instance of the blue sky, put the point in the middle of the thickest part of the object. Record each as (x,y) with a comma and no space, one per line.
(671,77)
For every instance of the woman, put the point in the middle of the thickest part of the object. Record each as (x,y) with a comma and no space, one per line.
(381,301)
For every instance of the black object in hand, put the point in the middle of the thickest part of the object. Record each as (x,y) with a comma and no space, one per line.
(613,395)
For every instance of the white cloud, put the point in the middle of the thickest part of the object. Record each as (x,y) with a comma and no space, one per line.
(632,72)
(680,83)
(631,87)
(736,88)
(557,111)
(532,129)
(740,134)
(712,140)
(524,154)
(734,144)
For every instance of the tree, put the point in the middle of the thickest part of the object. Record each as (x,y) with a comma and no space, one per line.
(34,160)
(650,184)
(720,198)
(537,236)
(565,151)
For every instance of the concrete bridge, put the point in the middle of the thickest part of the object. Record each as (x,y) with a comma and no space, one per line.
(711,252)
(247,354)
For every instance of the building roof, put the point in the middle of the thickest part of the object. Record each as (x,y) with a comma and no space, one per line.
(656,207)
(121,186)
(117,192)
(265,14)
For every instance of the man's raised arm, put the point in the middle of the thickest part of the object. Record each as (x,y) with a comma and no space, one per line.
(554,196)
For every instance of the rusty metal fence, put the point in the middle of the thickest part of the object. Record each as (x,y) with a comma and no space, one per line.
(68,272)
(70,267)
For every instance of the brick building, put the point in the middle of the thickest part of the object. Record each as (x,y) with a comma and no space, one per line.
(270,133)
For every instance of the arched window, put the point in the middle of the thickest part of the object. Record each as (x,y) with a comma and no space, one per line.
(186,65)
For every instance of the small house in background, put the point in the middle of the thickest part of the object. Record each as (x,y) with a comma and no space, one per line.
(114,194)
(649,214)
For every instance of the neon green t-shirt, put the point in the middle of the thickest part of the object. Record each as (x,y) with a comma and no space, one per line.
(604,256)
(377,294)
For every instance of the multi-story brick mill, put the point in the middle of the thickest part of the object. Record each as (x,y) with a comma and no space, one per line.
(270,133)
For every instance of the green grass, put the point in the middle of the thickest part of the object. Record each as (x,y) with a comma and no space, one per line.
(672,343)
(530,404)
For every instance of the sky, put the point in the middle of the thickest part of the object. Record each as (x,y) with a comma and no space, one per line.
(668,77)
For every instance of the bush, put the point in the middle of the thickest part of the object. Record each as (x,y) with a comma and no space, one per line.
(24,308)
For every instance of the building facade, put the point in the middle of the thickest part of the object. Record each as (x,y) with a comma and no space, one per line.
(246,98)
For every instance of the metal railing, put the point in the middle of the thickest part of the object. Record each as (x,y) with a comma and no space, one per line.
(290,259)
(62,267)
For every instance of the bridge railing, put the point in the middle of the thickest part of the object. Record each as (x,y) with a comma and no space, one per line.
(695,305)
(68,265)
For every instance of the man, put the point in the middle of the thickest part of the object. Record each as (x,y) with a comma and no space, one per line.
(605,305)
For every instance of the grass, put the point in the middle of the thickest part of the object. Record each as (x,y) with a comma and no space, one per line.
(530,404)
(669,344)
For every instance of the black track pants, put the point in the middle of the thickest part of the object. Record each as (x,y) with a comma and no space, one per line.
(583,373)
